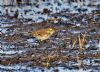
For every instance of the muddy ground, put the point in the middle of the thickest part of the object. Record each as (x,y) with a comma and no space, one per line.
(62,49)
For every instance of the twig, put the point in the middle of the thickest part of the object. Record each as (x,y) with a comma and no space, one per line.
(81,41)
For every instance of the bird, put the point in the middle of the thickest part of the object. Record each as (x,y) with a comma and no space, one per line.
(43,34)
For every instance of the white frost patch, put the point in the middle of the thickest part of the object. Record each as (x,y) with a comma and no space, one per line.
(86,61)
(67,70)
(64,18)
(87,46)
(2,10)
(78,24)
(99,44)
(3,30)
(50,5)
(31,40)
(16,67)
(5,25)
(60,69)
(12,52)
(5,46)
(90,9)
(76,32)
(39,18)
(6,56)
(96,3)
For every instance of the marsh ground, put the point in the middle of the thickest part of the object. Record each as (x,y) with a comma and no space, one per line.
(22,52)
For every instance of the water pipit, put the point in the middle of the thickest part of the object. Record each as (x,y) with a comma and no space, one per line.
(43,34)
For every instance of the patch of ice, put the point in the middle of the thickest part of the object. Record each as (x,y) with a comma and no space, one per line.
(2,10)
(6,56)
(39,18)
(78,24)
(4,30)
(29,22)
(90,9)
(36,70)
(61,69)
(64,18)
(36,9)
(76,32)
(87,46)
(16,67)
(44,5)
(74,11)
(12,52)
(96,3)
(48,70)
(6,25)
(31,40)
(7,47)
(99,44)
(86,61)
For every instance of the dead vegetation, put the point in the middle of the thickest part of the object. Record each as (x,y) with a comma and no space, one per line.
(69,43)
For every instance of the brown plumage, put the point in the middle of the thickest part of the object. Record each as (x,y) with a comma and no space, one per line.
(43,34)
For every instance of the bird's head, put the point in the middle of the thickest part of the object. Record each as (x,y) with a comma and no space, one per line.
(51,30)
